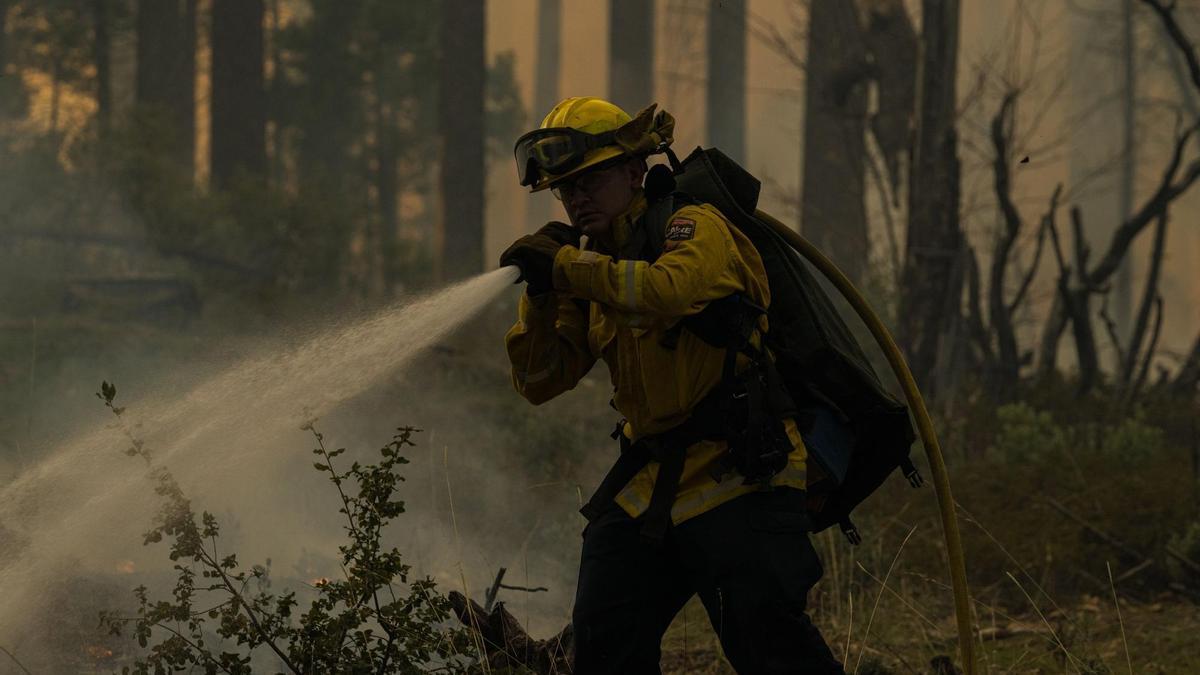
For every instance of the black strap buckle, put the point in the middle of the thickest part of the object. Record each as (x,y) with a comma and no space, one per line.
(911,473)
(852,534)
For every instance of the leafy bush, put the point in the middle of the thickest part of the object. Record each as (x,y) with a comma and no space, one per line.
(376,619)
(1133,439)
(1026,434)
(1186,544)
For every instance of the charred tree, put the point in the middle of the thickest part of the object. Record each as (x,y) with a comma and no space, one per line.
(1003,363)
(239,112)
(330,114)
(1123,288)
(933,274)
(891,42)
(166,72)
(631,54)
(463,68)
(833,210)
(3,37)
(549,54)
(275,95)
(387,186)
(101,48)
(726,104)
(545,90)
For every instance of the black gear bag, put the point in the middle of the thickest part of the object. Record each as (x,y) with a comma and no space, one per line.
(855,430)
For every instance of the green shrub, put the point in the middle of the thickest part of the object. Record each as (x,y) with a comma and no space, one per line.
(1132,439)
(375,619)
(1187,544)
(1026,434)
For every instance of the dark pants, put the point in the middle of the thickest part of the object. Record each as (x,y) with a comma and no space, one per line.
(749,559)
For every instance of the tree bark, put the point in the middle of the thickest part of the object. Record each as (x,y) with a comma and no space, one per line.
(998,316)
(3,37)
(726,104)
(1189,375)
(631,54)
(1123,288)
(101,49)
(1077,301)
(330,114)
(1142,322)
(239,113)
(549,55)
(388,188)
(932,283)
(166,71)
(542,205)
(892,42)
(833,211)
(462,172)
(274,96)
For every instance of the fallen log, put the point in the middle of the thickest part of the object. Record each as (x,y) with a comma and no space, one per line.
(505,642)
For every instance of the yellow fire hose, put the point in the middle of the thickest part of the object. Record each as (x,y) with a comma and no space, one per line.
(941,481)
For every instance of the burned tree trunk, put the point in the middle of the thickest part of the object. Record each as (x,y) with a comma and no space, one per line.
(463,66)
(726,105)
(833,210)
(101,45)
(3,37)
(1142,322)
(541,206)
(891,41)
(631,54)
(166,72)
(239,106)
(932,278)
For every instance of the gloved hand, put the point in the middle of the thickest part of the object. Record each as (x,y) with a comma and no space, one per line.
(534,255)
(562,233)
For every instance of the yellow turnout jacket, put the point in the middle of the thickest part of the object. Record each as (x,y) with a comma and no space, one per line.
(633,303)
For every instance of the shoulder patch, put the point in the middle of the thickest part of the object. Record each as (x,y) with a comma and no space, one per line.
(680,229)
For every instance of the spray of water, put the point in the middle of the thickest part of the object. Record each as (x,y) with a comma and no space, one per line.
(86,502)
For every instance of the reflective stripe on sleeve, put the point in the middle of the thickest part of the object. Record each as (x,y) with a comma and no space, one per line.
(629,287)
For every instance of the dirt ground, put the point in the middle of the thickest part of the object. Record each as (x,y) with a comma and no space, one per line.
(1087,638)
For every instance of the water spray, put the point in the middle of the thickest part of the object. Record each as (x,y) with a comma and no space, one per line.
(79,510)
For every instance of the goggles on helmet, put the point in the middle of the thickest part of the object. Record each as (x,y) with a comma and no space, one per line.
(555,151)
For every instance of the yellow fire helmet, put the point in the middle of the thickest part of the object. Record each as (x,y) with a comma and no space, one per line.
(582,132)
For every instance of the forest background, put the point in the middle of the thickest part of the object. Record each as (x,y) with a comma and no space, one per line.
(1010,182)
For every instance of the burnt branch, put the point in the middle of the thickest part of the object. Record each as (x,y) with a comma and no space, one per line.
(1168,189)
(1057,321)
(1189,375)
(1043,228)
(1076,303)
(975,325)
(1148,298)
(1110,326)
(1144,370)
(998,310)
(1167,14)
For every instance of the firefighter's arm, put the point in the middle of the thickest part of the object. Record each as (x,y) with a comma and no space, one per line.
(696,266)
(548,346)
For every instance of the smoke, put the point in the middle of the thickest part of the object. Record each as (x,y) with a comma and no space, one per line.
(232,440)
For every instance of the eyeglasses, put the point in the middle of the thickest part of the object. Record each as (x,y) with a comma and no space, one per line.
(589,183)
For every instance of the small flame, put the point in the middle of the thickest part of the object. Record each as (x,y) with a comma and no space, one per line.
(319,581)
(98,652)
(125,567)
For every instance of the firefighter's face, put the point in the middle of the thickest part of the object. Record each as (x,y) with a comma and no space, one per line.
(594,199)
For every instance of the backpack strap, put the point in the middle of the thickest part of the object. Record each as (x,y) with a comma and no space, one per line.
(759,395)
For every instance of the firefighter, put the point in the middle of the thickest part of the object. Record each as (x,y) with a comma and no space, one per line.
(681,513)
